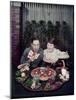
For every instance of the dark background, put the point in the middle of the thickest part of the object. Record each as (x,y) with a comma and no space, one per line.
(22,29)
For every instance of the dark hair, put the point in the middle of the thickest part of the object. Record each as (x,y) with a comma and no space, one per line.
(34,38)
(51,40)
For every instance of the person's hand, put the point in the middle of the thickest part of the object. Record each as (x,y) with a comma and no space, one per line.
(23,67)
(20,66)
(27,68)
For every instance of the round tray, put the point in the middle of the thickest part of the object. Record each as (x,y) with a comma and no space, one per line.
(47,83)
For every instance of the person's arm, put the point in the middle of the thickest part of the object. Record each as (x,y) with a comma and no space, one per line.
(62,54)
(24,58)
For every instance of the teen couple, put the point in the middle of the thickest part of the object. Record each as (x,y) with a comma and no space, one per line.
(35,56)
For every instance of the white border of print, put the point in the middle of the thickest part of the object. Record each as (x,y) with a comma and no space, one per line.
(5,47)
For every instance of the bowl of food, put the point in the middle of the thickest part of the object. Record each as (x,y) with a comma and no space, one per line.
(44,73)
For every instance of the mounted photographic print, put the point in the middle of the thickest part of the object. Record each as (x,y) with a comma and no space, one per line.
(42,49)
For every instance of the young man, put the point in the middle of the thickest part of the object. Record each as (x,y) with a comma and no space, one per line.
(32,56)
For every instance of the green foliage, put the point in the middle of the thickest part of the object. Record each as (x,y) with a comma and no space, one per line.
(18,73)
(28,82)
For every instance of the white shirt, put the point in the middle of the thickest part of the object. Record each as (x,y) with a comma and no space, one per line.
(52,57)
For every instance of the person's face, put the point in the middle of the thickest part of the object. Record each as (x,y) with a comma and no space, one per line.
(36,45)
(50,46)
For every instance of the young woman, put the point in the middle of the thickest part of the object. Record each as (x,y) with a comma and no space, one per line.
(52,55)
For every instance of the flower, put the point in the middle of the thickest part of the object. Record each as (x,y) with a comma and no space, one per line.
(64,76)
